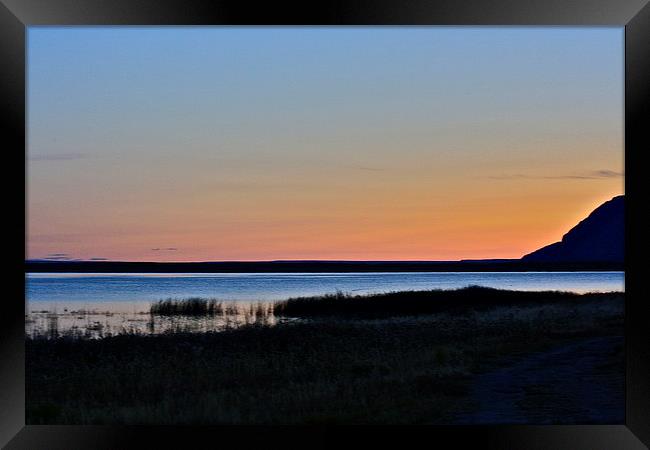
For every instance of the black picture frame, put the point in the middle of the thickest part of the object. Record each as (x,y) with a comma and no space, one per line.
(17,15)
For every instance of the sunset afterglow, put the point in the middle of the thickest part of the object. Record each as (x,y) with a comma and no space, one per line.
(361,143)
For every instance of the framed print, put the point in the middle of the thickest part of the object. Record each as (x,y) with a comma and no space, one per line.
(362,218)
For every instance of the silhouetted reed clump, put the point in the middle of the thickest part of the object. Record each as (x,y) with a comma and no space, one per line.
(187,307)
(408,303)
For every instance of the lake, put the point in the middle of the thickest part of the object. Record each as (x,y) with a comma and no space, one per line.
(99,304)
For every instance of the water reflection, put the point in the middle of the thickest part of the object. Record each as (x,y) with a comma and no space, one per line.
(94,324)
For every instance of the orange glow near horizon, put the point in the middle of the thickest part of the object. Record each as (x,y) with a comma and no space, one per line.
(481,228)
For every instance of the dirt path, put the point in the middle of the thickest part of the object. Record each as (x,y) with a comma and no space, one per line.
(581,382)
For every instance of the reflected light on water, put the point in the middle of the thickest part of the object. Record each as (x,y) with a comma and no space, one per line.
(99,324)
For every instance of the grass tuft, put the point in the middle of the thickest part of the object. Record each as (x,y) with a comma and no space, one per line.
(194,306)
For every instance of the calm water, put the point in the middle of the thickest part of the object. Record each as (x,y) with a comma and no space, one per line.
(99,304)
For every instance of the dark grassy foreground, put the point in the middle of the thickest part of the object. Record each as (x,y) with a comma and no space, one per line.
(415,368)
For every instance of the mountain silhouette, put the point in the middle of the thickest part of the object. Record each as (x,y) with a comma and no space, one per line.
(598,238)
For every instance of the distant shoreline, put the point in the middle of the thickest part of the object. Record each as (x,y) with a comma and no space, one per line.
(514,265)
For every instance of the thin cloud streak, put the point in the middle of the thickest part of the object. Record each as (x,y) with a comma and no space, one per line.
(58,257)
(594,175)
(609,173)
(369,169)
(57,157)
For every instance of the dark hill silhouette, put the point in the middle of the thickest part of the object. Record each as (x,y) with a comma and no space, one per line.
(598,238)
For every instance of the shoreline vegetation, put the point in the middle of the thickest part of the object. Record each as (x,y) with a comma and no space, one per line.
(406,303)
(401,357)
(344,305)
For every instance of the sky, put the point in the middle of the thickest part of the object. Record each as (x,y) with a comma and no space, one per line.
(338,143)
